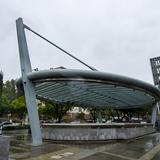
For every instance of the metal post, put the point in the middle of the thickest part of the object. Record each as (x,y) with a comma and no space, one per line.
(29,89)
(154,114)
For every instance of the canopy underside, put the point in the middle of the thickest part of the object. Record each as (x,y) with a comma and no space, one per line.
(92,89)
(92,94)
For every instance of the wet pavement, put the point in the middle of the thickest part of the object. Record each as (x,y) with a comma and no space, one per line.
(157,157)
(22,149)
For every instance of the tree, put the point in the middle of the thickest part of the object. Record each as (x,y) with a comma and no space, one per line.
(9,90)
(51,110)
(9,94)
(46,111)
(5,107)
(80,116)
(93,113)
(19,108)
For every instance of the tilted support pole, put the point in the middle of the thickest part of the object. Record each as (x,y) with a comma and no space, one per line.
(28,86)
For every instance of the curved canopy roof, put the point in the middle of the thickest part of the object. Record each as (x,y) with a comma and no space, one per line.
(92,88)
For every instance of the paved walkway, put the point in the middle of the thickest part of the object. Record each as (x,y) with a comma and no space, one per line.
(144,148)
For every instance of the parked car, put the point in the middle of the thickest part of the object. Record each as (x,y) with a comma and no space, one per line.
(8,124)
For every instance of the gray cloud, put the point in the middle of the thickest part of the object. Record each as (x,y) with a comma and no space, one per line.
(116,36)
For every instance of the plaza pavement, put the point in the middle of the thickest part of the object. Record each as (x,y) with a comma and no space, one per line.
(142,148)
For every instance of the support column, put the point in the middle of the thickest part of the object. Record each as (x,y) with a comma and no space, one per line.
(28,86)
(154,114)
(158,117)
(99,116)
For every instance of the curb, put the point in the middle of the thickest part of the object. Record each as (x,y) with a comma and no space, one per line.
(151,154)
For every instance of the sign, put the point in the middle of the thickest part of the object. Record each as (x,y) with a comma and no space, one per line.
(155,65)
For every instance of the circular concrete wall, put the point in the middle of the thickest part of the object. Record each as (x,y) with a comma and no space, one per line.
(94,132)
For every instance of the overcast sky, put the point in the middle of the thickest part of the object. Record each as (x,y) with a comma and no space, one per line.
(116,36)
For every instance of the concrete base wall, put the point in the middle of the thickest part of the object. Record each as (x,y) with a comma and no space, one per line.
(99,132)
(4,147)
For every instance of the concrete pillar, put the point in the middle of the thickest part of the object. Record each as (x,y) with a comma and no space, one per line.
(154,114)
(28,86)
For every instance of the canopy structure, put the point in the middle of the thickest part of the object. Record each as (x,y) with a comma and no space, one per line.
(78,87)
(92,88)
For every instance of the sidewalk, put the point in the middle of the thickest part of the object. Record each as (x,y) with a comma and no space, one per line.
(144,148)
